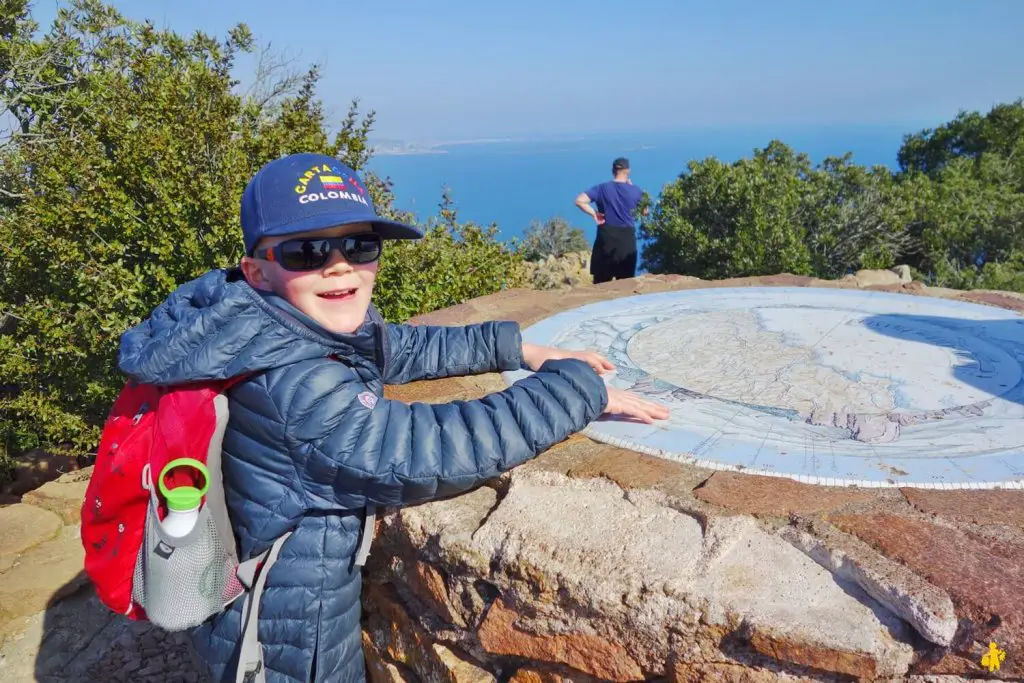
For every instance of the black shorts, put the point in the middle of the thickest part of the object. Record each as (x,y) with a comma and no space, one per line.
(614,255)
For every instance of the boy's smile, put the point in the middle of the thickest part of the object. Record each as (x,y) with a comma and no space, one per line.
(336,295)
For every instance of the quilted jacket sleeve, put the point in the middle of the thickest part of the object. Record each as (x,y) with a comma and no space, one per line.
(349,455)
(429,352)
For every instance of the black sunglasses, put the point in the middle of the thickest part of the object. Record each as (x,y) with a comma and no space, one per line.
(313,253)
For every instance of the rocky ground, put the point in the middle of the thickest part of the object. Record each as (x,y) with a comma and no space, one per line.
(593,563)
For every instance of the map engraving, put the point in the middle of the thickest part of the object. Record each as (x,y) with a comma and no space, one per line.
(826,386)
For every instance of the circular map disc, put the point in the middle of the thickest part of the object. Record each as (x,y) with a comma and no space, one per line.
(836,387)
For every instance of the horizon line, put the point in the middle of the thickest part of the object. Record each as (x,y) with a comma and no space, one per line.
(437,143)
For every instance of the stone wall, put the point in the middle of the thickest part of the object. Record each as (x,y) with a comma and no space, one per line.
(593,563)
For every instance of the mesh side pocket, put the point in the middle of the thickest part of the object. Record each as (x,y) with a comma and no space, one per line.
(181,582)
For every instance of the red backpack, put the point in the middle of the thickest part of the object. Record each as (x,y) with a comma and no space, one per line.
(139,570)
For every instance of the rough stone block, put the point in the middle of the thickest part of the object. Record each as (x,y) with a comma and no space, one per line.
(759,495)
(428,585)
(993,506)
(24,527)
(44,574)
(984,581)
(922,605)
(584,652)
(396,636)
(63,497)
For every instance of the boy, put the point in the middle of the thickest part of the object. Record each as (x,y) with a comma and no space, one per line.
(311,446)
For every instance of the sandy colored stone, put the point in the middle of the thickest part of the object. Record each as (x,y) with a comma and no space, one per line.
(941,292)
(928,609)
(442,530)
(630,470)
(61,496)
(868,278)
(590,558)
(588,653)
(458,669)
(757,495)
(898,288)
(536,674)
(44,574)
(780,280)
(398,638)
(563,457)
(396,635)
(24,527)
(945,663)
(378,669)
(782,647)
(381,671)
(903,272)
(991,506)
(509,304)
(725,672)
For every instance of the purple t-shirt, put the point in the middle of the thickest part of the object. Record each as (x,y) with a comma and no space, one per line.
(617,201)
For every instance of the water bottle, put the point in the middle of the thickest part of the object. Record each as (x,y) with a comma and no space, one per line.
(183,502)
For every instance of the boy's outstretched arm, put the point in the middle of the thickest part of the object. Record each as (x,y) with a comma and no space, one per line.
(349,455)
(430,352)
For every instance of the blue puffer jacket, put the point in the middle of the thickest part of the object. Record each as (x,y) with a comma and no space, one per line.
(311,442)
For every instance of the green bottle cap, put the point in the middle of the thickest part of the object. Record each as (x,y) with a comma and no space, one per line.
(184,498)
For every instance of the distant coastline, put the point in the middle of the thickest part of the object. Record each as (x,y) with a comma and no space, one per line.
(407,148)
(513,180)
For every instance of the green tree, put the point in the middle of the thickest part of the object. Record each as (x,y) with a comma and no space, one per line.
(966,181)
(854,216)
(720,220)
(120,178)
(970,135)
(969,220)
(453,262)
(554,237)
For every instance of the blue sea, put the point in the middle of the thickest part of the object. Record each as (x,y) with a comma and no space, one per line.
(515,181)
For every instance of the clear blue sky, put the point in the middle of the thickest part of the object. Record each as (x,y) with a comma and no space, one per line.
(459,69)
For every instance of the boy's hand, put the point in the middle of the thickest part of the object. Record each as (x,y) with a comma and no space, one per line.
(625,403)
(534,355)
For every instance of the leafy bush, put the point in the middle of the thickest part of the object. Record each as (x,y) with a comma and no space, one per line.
(454,262)
(773,213)
(120,178)
(554,237)
(968,186)
(954,212)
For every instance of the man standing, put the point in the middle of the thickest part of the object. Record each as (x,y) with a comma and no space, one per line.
(614,255)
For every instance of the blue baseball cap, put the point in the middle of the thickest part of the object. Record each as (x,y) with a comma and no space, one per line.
(305,192)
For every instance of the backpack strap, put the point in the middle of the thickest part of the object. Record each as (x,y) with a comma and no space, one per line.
(250,659)
(367,536)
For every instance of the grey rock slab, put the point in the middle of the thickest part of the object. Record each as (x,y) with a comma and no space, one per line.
(633,560)
(443,529)
(773,586)
(928,609)
(24,527)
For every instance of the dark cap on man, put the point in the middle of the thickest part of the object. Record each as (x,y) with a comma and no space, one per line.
(620,164)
